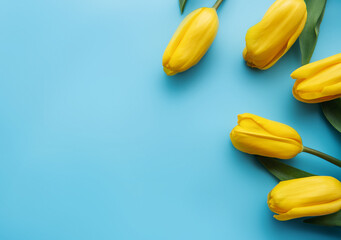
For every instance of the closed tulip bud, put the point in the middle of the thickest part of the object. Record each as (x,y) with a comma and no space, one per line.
(191,41)
(260,136)
(272,37)
(305,197)
(318,81)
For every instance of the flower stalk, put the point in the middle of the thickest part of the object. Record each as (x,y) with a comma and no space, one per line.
(322,155)
(217,4)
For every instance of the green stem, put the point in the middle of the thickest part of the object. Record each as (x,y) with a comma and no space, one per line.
(217,4)
(330,159)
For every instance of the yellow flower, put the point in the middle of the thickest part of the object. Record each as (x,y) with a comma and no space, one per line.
(318,81)
(191,41)
(304,197)
(260,136)
(272,37)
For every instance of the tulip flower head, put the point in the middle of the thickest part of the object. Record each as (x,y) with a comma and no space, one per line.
(191,40)
(273,36)
(304,197)
(318,81)
(260,136)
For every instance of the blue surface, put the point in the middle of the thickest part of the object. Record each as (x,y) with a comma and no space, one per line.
(96,142)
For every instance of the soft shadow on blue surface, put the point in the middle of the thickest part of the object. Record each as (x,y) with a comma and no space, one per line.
(298,226)
(182,82)
(190,79)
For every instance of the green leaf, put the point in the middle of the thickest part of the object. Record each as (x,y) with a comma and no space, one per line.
(182,5)
(328,220)
(281,170)
(309,35)
(332,111)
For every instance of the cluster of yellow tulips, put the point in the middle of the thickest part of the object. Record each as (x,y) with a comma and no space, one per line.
(266,43)
(303,197)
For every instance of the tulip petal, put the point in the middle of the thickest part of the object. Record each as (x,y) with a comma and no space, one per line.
(325,77)
(304,192)
(169,72)
(178,35)
(246,120)
(260,136)
(272,37)
(289,44)
(196,41)
(191,41)
(309,211)
(319,81)
(264,144)
(303,197)
(315,67)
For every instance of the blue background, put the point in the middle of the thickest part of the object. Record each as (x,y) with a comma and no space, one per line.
(96,142)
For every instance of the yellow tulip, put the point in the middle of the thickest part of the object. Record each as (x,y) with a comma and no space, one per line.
(191,41)
(260,136)
(305,197)
(272,37)
(318,81)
